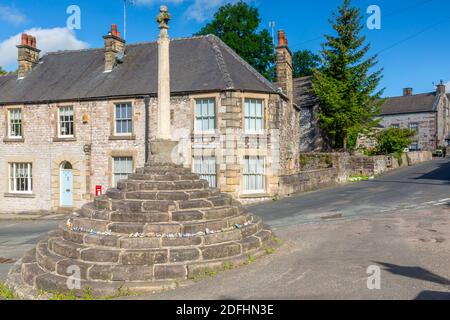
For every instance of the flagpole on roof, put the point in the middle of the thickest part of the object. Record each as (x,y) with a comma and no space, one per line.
(125,19)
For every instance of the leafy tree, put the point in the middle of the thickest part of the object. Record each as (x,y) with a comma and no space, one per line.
(304,63)
(394,140)
(237,25)
(344,84)
(2,72)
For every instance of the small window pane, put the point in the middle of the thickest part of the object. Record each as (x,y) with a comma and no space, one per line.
(15,123)
(254,175)
(254,115)
(205,167)
(66,121)
(123,166)
(124,118)
(21,177)
(205,115)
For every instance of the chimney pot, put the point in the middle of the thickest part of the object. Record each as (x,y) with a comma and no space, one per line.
(114,30)
(282,40)
(24,39)
(407,92)
(29,41)
(441,89)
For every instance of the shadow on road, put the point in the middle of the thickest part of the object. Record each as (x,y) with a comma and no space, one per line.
(415,273)
(442,173)
(433,295)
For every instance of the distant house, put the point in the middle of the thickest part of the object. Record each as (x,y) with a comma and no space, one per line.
(427,113)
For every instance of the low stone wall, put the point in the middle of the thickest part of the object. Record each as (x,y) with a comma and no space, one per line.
(308,181)
(316,175)
(419,157)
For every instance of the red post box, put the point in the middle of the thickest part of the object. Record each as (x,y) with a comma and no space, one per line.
(98,191)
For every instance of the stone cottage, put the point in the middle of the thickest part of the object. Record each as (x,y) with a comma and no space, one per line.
(427,113)
(74,123)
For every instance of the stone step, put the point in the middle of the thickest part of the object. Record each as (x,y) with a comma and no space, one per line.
(65,248)
(166,177)
(184,185)
(46,259)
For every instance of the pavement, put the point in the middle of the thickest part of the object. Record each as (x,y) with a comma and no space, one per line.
(399,223)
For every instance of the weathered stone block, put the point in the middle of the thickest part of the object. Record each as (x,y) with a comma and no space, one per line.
(181,242)
(114,194)
(194,204)
(159,205)
(100,255)
(101,240)
(142,217)
(144,258)
(140,243)
(181,255)
(127,206)
(126,228)
(221,251)
(99,225)
(220,213)
(228,236)
(187,216)
(132,273)
(73,236)
(220,201)
(100,272)
(30,271)
(162,228)
(157,186)
(249,230)
(66,249)
(64,268)
(140,195)
(170,272)
(200,194)
(190,185)
(174,196)
(249,244)
(45,258)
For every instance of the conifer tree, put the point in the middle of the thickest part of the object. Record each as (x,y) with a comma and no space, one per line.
(346,83)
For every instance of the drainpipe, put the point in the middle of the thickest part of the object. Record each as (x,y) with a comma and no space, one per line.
(147,127)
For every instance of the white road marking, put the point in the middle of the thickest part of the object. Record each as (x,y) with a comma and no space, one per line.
(444,200)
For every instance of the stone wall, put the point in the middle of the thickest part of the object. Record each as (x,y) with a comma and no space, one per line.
(319,173)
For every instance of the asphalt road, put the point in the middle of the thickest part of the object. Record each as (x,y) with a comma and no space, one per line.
(399,222)
(412,188)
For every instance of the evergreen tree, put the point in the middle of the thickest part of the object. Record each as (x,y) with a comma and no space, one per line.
(345,85)
(237,25)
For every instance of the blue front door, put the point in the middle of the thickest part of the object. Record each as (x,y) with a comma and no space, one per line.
(66,188)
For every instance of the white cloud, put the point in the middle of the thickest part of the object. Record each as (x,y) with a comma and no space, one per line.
(12,15)
(48,40)
(153,2)
(202,10)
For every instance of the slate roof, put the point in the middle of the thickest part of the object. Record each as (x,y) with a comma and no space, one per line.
(198,64)
(303,96)
(417,103)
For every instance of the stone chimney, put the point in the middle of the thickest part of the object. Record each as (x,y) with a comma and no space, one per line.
(407,92)
(28,55)
(284,66)
(441,88)
(114,48)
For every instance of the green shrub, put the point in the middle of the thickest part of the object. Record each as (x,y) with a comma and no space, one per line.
(394,140)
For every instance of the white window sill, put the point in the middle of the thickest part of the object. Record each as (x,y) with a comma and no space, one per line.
(19,195)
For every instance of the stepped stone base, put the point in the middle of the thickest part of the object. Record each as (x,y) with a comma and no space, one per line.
(162,226)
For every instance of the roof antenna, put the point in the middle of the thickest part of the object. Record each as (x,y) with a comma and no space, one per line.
(272,26)
(125,17)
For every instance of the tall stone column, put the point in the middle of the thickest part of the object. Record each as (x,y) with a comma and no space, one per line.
(163,75)
(162,148)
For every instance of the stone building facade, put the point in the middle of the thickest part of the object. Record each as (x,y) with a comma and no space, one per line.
(428,114)
(76,122)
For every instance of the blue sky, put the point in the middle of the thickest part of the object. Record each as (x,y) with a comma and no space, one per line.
(412,40)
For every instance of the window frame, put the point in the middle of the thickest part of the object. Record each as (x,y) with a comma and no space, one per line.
(59,134)
(255,118)
(9,124)
(414,143)
(417,125)
(113,171)
(395,126)
(263,174)
(131,119)
(208,117)
(204,175)
(12,177)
